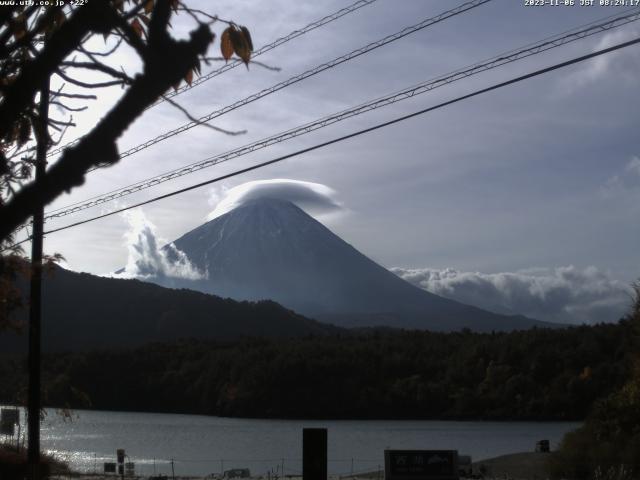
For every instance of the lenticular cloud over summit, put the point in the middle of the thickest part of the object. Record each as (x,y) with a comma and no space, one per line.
(315,198)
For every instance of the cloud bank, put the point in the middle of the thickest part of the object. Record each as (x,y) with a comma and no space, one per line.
(146,259)
(564,294)
(314,198)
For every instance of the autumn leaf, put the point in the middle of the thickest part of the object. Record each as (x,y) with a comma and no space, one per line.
(240,45)
(247,36)
(146,20)
(47,24)
(189,77)
(19,27)
(8,80)
(226,47)
(59,17)
(586,373)
(197,67)
(137,27)
(12,135)
(148,6)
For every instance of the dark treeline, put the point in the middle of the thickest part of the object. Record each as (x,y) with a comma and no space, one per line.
(86,312)
(534,374)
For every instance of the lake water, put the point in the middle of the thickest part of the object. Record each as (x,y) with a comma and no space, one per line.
(200,445)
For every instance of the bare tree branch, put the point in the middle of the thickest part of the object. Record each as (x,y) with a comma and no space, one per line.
(59,122)
(100,67)
(252,62)
(199,122)
(166,62)
(107,53)
(74,95)
(97,15)
(88,85)
(67,107)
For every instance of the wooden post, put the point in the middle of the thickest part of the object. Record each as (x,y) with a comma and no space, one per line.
(34,401)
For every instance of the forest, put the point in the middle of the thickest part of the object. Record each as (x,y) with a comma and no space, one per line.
(538,374)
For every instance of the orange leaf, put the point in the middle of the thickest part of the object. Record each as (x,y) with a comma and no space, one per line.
(59,17)
(226,47)
(240,45)
(148,6)
(19,27)
(137,27)
(247,36)
(8,80)
(145,19)
(12,135)
(45,26)
(189,77)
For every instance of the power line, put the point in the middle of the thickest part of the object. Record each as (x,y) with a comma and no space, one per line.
(307,74)
(511,56)
(351,135)
(296,33)
(234,63)
(304,75)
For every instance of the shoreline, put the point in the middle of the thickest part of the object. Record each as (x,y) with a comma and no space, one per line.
(72,411)
(514,466)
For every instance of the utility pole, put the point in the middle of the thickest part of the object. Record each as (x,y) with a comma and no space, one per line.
(34,402)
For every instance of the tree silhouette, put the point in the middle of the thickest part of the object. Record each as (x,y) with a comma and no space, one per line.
(38,43)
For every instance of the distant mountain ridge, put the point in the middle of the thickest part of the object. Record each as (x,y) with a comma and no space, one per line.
(271,249)
(84,312)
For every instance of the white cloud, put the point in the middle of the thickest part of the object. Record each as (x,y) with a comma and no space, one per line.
(624,181)
(564,294)
(216,194)
(633,168)
(147,259)
(620,66)
(312,197)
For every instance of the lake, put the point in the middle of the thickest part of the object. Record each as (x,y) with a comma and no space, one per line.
(200,445)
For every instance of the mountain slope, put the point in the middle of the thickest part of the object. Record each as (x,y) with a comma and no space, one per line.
(271,249)
(82,311)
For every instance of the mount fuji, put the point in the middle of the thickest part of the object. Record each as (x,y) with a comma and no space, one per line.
(271,249)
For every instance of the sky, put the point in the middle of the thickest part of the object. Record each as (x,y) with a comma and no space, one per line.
(524,199)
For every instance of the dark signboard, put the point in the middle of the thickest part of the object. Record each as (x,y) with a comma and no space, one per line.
(237,473)
(7,429)
(109,467)
(9,418)
(314,454)
(421,464)
(543,446)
